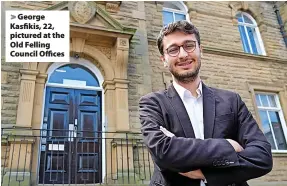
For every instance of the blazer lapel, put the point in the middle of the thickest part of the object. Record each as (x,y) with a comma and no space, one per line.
(180,111)
(208,111)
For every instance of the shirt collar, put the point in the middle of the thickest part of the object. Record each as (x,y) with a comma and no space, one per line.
(183,92)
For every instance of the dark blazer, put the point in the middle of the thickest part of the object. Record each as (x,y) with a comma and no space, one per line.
(225,116)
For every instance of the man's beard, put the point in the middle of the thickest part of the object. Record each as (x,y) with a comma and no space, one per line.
(186,77)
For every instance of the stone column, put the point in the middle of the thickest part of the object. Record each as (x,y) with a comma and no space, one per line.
(38,101)
(121,84)
(109,90)
(121,104)
(36,122)
(21,140)
(26,98)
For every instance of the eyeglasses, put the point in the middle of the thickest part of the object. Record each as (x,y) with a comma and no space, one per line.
(188,46)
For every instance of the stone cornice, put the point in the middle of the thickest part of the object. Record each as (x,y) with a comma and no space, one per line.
(114,33)
(214,14)
(230,53)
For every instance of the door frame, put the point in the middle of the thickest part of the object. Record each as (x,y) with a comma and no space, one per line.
(98,74)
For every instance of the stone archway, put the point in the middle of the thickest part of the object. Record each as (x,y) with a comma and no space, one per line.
(113,66)
(114,70)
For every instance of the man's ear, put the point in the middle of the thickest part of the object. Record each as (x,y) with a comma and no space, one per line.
(164,61)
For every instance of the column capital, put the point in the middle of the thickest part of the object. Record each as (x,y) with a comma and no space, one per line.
(28,74)
(121,83)
(109,85)
(41,78)
(115,83)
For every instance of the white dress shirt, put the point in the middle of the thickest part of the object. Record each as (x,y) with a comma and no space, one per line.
(194,108)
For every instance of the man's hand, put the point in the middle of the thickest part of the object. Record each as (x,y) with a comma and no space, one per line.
(197,174)
(235,145)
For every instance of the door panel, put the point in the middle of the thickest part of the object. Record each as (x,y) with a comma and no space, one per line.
(70,149)
(58,123)
(58,114)
(88,146)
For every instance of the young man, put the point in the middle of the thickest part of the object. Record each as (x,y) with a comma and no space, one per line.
(198,135)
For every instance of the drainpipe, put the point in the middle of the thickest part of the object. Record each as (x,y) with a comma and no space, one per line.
(280,23)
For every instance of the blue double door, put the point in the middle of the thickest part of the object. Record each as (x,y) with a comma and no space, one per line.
(71,137)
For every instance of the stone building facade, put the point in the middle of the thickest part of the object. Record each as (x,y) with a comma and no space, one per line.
(119,43)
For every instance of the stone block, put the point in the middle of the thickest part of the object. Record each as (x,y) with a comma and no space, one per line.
(3,77)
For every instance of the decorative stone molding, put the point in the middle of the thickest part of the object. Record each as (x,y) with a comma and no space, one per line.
(123,43)
(113,6)
(109,85)
(105,50)
(121,49)
(82,11)
(94,61)
(244,6)
(28,74)
(242,55)
(234,9)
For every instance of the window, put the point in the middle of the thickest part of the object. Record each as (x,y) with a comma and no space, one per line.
(250,35)
(74,74)
(272,120)
(174,11)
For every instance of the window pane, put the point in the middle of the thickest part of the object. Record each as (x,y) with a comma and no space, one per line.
(252,34)
(179,17)
(264,100)
(167,17)
(244,39)
(74,73)
(247,20)
(266,128)
(171,5)
(258,100)
(272,100)
(239,18)
(278,131)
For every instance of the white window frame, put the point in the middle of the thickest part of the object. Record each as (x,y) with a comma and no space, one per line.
(183,9)
(258,39)
(281,117)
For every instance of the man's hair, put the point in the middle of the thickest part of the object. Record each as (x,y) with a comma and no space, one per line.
(182,26)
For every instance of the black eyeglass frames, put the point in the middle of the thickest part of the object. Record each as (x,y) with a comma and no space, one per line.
(188,46)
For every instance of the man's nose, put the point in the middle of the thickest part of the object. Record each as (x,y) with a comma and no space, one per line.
(182,53)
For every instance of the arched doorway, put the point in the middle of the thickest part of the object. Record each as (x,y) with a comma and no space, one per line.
(71,147)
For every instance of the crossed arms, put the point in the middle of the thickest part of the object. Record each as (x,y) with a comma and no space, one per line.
(183,155)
